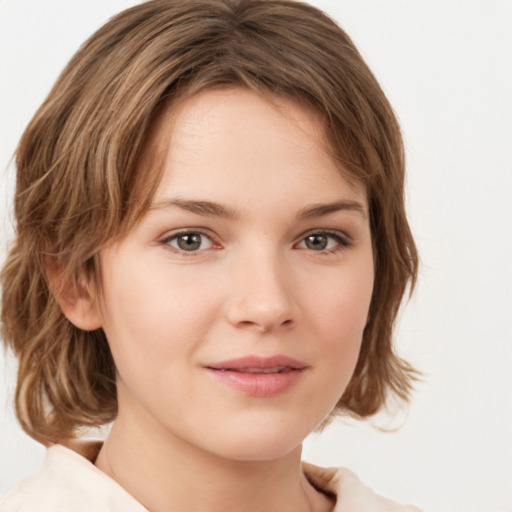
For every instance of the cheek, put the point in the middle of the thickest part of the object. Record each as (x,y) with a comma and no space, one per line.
(338,316)
(340,307)
(155,317)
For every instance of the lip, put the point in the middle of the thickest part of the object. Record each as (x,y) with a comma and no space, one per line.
(259,376)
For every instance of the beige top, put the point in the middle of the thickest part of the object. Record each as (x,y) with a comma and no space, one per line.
(69,482)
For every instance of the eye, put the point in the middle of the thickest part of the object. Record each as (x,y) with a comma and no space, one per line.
(189,241)
(324,241)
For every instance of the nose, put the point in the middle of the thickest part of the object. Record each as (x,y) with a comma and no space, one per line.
(262,295)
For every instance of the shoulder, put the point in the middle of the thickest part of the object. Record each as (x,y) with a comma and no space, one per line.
(68,481)
(351,494)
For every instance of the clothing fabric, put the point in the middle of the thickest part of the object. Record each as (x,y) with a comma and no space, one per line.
(68,481)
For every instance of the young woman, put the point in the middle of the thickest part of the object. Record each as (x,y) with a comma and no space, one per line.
(211,249)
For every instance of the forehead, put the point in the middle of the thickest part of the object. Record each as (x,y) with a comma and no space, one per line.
(238,137)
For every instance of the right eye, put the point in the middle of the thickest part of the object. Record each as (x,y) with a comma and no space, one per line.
(189,241)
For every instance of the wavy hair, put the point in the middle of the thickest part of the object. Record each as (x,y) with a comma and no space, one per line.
(80,182)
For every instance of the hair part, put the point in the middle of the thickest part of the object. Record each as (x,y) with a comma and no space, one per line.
(85,176)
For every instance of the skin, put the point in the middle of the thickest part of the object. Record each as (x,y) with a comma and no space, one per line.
(255,285)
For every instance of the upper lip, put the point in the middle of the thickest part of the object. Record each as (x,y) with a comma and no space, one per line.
(255,363)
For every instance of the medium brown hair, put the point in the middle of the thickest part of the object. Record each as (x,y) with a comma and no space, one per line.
(80,181)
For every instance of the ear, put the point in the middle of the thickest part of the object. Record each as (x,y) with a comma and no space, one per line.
(76,300)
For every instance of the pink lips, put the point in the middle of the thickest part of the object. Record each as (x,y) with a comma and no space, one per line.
(259,376)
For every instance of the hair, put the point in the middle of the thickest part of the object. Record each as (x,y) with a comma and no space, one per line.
(81,182)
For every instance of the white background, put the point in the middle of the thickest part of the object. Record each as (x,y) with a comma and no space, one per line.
(447,69)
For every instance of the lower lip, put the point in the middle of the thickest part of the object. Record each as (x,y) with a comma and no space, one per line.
(258,384)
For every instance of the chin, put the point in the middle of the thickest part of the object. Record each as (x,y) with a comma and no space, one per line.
(261,444)
(261,451)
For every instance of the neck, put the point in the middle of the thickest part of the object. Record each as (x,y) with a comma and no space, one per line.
(165,473)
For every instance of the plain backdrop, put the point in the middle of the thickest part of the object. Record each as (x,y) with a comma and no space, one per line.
(446,66)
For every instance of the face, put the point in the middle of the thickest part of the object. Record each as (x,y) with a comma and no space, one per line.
(235,308)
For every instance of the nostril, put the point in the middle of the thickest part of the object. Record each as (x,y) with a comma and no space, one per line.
(265,326)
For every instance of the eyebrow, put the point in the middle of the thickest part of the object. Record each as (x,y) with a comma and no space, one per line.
(319,210)
(204,208)
(211,209)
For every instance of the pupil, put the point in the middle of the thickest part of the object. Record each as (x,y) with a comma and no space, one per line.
(316,242)
(189,242)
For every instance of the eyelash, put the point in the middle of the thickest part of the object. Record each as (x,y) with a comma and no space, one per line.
(168,239)
(342,241)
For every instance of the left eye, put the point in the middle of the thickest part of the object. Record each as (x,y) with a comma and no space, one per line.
(189,241)
(322,241)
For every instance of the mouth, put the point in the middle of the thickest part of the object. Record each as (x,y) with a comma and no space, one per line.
(259,376)
(277,369)
(258,364)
